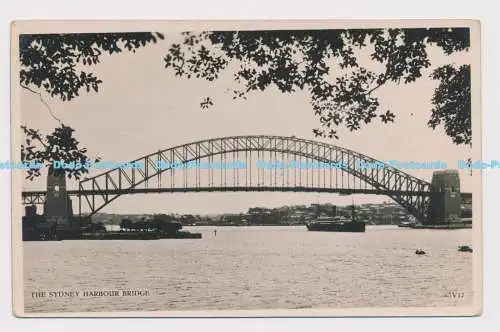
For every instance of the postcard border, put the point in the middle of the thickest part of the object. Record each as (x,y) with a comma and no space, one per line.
(81,26)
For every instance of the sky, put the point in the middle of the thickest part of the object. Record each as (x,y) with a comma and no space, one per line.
(141,108)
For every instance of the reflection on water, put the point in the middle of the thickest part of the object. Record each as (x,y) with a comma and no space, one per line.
(254,268)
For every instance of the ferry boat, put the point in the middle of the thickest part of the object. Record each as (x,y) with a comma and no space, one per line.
(335,224)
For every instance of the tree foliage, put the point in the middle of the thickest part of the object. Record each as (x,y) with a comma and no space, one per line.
(304,59)
(452,102)
(55,63)
(288,60)
(60,146)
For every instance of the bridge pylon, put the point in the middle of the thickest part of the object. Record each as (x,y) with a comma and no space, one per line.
(445,203)
(57,207)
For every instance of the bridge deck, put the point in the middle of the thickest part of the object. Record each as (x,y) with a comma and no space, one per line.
(234,189)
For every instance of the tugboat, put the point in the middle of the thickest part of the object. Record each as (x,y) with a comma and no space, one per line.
(325,223)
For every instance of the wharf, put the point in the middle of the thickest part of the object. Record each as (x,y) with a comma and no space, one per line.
(444,226)
(115,236)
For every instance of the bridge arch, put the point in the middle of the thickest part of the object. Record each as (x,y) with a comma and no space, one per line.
(410,192)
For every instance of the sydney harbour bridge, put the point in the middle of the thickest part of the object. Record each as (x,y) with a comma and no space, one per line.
(177,169)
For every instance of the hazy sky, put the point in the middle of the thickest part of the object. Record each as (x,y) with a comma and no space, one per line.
(141,108)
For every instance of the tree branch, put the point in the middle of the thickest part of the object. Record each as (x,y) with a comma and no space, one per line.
(43,101)
(33,136)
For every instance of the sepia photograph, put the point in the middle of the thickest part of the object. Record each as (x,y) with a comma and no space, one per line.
(246,168)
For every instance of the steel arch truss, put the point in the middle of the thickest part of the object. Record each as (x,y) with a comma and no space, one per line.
(409,191)
(34,197)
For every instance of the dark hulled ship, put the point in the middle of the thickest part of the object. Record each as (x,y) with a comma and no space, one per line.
(335,223)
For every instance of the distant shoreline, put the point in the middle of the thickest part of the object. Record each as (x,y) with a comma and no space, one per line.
(283,225)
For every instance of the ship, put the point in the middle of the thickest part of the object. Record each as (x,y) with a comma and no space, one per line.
(335,224)
(324,223)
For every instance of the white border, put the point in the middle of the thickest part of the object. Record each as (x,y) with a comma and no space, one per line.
(20,27)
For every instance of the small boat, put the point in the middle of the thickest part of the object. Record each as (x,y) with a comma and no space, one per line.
(419,252)
(464,249)
(407,222)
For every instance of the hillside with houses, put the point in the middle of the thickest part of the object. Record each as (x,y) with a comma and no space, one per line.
(373,214)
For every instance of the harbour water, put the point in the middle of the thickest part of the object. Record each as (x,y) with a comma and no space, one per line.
(254,268)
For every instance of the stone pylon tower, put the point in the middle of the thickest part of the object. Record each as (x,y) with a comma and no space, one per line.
(445,198)
(58,209)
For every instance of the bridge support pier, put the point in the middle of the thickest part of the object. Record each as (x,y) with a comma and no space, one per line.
(445,201)
(57,208)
